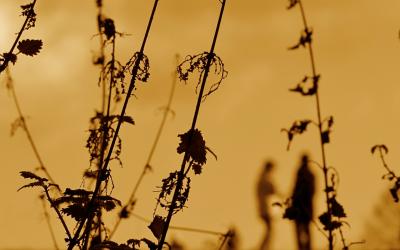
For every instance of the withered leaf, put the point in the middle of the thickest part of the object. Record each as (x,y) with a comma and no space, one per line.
(337,208)
(197,169)
(157,226)
(30,47)
(193,144)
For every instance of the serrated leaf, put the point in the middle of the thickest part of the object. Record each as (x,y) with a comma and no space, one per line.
(30,47)
(33,184)
(30,175)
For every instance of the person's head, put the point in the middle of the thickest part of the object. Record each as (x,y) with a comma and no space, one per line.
(269,165)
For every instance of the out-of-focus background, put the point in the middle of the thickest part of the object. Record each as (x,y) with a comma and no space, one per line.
(357,52)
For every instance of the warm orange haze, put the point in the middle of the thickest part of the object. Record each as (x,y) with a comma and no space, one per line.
(356,54)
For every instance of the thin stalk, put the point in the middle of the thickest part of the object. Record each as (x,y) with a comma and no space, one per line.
(225,239)
(7,59)
(90,215)
(54,206)
(47,217)
(147,165)
(105,125)
(27,131)
(323,153)
(187,229)
(195,116)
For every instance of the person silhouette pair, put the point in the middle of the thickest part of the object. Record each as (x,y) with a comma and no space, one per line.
(300,209)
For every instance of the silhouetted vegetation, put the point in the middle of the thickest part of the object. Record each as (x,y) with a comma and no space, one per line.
(332,218)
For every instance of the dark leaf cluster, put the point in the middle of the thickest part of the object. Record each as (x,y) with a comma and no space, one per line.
(298,127)
(76,201)
(198,63)
(308,86)
(29,12)
(131,244)
(305,38)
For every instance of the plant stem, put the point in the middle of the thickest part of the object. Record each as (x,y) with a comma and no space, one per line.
(47,217)
(196,113)
(4,65)
(90,208)
(323,153)
(147,165)
(42,167)
(54,206)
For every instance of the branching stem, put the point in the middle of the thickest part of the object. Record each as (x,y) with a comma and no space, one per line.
(193,126)
(4,65)
(90,213)
(320,123)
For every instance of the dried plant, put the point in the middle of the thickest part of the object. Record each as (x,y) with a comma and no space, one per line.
(333,218)
(390,174)
(29,47)
(192,143)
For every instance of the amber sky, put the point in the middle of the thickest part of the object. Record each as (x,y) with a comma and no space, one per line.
(357,52)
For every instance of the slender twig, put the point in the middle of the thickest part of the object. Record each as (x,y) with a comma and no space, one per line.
(47,218)
(187,229)
(10,85)
(196,113)
(147,167)
(89,213)
(4,65)
(225,239)
(55,207)
(320,123)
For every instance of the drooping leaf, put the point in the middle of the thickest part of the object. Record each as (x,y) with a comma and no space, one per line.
(305,38)
(30,47)
(197,169)
(337,208)
(157,226)
(109,28)
(33,184)
(380,147)
(325,136)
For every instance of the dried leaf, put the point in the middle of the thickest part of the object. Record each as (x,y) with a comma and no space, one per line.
(157,226)
(193,144)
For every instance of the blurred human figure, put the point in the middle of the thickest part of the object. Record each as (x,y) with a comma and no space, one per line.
(265,189)
(302,203)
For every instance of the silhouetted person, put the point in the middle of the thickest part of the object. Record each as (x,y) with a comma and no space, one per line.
(265,189)
(302,204)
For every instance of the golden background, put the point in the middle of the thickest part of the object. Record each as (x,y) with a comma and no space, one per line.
(357,52)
